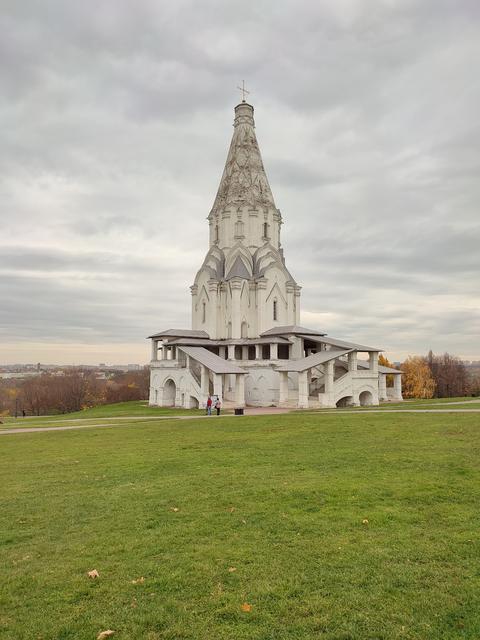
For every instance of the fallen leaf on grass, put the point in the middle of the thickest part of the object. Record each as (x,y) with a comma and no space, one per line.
(105,634)
(232,569)
(244,521)
(364,521)
(246,607)
(139,580)
(93,574)
(175,509)
(232,509)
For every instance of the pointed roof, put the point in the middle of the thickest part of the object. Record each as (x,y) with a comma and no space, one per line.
(244,181)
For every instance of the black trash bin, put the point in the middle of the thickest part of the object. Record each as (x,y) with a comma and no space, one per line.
(239,412)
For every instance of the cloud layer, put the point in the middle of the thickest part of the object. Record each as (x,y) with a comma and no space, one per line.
(115,126)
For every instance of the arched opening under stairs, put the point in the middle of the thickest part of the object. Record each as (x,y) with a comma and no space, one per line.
(346,401)
(169,392)
(365,399)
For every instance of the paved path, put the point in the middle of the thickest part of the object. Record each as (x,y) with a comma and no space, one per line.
(251,412)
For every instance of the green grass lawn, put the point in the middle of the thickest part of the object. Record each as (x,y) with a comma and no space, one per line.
(132,408)
(465,402)
(280,499)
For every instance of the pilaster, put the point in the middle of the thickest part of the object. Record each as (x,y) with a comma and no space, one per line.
(283,399)
(236,287)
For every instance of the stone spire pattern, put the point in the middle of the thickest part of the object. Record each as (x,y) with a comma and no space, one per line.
(244,181)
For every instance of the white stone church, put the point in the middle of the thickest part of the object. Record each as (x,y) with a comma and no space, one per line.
(245,344)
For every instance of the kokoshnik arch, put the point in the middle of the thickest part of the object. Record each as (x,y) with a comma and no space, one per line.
(245,344)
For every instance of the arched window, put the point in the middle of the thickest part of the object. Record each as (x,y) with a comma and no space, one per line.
(244,329)
(275,310)
(204,311)
(265,229)
(216,233)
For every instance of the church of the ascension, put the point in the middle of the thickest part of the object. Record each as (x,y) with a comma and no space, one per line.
(245,344)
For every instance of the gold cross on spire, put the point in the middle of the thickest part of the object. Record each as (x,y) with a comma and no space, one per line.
(243,90)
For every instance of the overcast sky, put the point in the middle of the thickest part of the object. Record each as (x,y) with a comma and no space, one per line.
(115,121)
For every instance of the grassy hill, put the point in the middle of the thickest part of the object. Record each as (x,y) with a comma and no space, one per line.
(298,526)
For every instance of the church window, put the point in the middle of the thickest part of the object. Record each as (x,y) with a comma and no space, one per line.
(216,233)
(265,229)
(204,311)
(239,229)
(244,329)
(275,310)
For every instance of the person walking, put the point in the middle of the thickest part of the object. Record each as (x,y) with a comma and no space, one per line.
(209,406)
(218,406)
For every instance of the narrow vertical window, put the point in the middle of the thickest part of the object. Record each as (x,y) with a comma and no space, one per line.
(204,311)
(216,233)
(239,229)
(265,229)
(275,310)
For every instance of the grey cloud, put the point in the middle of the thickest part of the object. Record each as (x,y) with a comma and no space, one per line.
(116,123)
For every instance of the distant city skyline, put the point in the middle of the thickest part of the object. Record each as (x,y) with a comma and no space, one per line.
(115,134)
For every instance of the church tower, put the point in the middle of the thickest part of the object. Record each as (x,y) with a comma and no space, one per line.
(243,287)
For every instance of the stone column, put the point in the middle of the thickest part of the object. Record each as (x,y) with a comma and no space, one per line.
(352,361)
(261,292)
(204,380)
(240,390)
(194,291)
(258,352)
(222,351)
(154,350)
(274,351)
(373,361)
(382,386)
(245,352)
(164,352)
(297,304)
(236,288)
(231,352)
(283,399)
(303,390)
(291,304)
(329,372)
(397,386)
(329,382)
(211,319)
(218,385)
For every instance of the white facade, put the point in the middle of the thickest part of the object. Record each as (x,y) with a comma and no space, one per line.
(246,345)
(243,287)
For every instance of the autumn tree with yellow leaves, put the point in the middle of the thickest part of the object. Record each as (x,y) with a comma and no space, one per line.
(417,379)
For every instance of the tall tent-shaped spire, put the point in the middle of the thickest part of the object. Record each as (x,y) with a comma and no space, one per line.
(244,181)
(243,286)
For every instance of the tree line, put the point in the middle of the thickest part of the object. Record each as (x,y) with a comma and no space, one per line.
(438,376)
(77,389)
